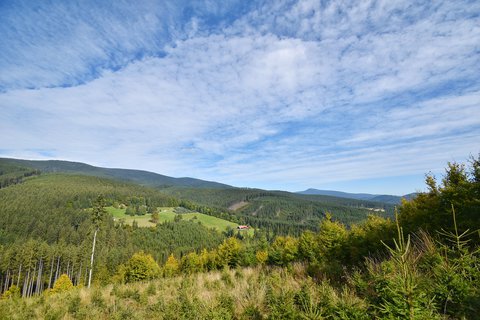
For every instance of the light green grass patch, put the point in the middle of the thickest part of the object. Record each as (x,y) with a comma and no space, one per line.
(209,221)
(167,214)
(143,221)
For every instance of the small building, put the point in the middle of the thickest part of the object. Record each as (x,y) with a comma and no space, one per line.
(243,227)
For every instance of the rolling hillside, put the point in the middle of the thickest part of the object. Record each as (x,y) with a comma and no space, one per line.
(391,199)
(55,208)
(168,214)
(145,178)
(278,212)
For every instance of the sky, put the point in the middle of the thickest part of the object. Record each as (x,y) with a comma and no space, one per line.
(357,96)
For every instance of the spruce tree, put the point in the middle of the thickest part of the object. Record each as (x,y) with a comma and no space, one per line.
(98,212)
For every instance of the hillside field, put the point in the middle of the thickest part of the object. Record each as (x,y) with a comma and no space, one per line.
(167,214)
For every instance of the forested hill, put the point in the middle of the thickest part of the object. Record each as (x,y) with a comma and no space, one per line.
(278,211)
(11,173)
(53,210)
(423,265)
(145,178)
(359,196)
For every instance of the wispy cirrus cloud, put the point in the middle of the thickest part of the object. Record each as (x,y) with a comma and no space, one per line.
(284,94)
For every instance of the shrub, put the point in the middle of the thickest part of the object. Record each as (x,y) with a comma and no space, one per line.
(229,252)
(283,250)
(151,289)
(97,299)
(141,266)
(74,304)
(261,256)
(12,292)
(171,267)
(62,284)
(227,278)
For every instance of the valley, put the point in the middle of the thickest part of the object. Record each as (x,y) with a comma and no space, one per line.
(297,251)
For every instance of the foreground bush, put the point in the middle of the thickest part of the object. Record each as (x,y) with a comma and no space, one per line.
(62,284)
(141,266)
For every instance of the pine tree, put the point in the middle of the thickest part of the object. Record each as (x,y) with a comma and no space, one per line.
(98,213)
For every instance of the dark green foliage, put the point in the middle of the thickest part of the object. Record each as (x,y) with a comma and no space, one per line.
(74,304)
(281,305)
(278,212)
(431,211)
(402,296)
(376,269)
(456,269)
(136,176)
(53,207)
(11,174)
(174,237)
(47,222)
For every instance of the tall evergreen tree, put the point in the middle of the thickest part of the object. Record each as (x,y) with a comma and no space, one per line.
(98,211)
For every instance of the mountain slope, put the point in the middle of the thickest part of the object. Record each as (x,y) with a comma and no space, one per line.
(280,211)
(384,198)
(145,178)
(340,194)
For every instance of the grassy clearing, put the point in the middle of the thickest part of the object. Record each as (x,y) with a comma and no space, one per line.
(143,221)
(209,221)
(167,214)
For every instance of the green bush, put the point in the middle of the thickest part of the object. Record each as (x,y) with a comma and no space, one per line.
(62,284)
(12,292)
(74,304)
(97,299)
(151,289)
(141,266)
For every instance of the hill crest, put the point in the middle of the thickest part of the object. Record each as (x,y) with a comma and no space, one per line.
(141,177)
(385,198)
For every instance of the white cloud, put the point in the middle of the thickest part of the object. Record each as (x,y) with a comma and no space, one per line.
(287,95)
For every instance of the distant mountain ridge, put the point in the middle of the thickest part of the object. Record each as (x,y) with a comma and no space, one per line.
(385,198)
(141,177)
(282,211)
(152,179)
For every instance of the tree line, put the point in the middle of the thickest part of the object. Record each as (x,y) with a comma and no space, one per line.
(426,258)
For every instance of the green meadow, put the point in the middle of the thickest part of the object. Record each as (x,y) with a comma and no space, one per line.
(118,214)
(167,214)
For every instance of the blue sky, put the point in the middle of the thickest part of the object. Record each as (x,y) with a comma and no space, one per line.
(358,96)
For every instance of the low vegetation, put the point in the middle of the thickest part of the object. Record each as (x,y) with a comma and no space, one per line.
(418,280)
(171,214)
(424,264)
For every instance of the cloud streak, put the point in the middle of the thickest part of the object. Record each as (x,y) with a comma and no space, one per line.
(282,95)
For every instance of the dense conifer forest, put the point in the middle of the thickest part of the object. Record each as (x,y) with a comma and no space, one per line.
(277,212)
(421,263)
